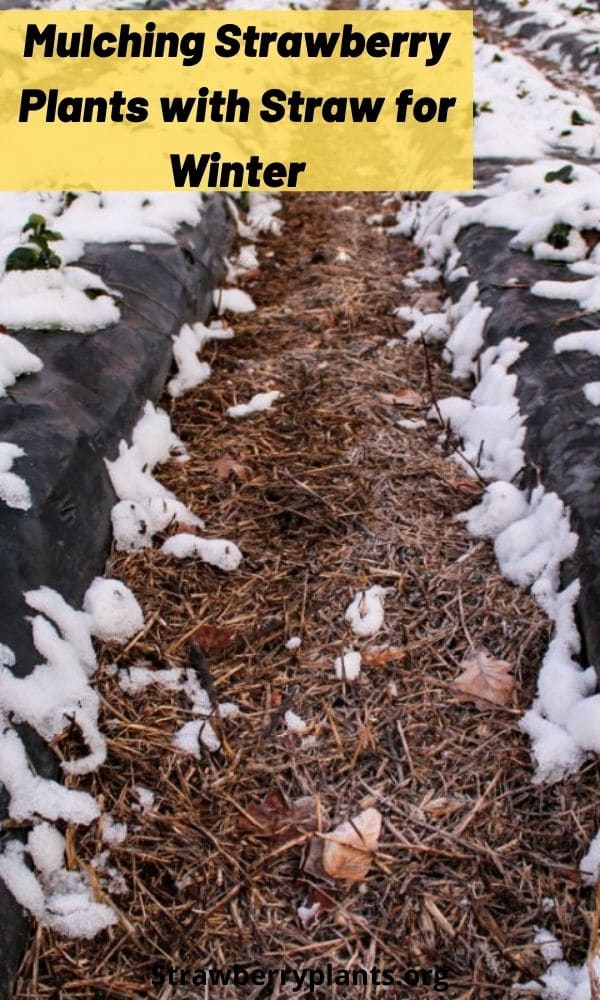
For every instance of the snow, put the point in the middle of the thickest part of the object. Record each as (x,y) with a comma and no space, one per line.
(546,22)
(293,722)
(129,216)
(245,260)
(153,438)
(293,643)
(259,403)
(57,693)
(581,340)
(14,491)
(20,881)
(424,275)
(261,216)
(466,340)
(46,846)
(145,799)
(199,730)
(187,344)
(232,300)
(589,865)
(521,115)
(189,737)
(15,360)
(560,981)
(502,504)
(591,391)
(75,626)
(135,522)
(217,552)
(113,832)
(56,300)
(33,797)
(152,443)
(410,425)
(115,614)
(365,613)
(550,947)
(537,543)
(145,506)
(432,327)
(308,914)
(347,666)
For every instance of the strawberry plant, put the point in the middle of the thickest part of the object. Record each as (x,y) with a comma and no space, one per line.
(36,253)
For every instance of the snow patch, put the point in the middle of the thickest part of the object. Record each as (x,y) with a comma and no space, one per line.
(258,404)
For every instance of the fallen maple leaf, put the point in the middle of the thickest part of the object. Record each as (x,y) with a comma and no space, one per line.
(349,849)
(485,681)
(227,466)
(275,819)
(378,656)
(406,397)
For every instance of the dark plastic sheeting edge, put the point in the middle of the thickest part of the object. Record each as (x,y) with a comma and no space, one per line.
(562,446)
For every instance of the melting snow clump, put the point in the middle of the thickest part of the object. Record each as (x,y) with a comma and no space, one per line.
(14,491)
(260,402)
(115,614)
(347,666)
(365,614)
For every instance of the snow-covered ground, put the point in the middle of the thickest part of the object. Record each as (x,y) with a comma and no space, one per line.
(550,28)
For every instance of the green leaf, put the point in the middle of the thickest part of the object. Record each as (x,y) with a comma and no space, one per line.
(558,236)
(23,259)
(52,261)
(564,175)
(34,222)
(94,293)
(577,119)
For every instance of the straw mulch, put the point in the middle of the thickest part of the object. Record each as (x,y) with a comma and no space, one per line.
(331,496)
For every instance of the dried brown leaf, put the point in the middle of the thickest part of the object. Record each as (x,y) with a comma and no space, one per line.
(405,397)
(468,487)
(227,466)
(212,638)
(378,656)
(485,681)
(312,858)
(276,820)
(251,275)
(349,849)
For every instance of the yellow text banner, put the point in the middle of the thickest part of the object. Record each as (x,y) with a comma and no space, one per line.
(236,100)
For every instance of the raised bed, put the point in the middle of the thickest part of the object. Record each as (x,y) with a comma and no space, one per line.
(68,419)
(561,441)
